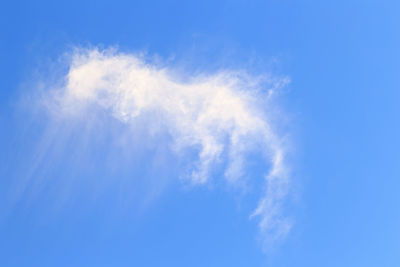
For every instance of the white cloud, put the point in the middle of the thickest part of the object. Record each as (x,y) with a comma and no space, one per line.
(223,115)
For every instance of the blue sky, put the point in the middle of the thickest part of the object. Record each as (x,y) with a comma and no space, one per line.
(86,181)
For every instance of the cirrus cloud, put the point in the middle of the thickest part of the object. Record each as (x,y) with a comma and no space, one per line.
(224,115)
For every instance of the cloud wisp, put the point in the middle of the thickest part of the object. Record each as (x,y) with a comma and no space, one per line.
(223,116)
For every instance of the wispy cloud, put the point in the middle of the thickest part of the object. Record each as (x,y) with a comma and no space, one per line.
(223,116)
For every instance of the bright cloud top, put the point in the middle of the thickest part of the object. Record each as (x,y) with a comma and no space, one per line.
(224,116)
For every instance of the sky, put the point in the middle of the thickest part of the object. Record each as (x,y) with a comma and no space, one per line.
(199,133)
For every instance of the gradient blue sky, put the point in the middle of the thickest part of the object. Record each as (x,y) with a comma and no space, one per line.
(342,109)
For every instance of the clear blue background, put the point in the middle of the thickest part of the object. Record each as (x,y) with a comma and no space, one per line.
(343,60)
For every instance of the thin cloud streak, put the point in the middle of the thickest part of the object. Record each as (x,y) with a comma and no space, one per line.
(223,116)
